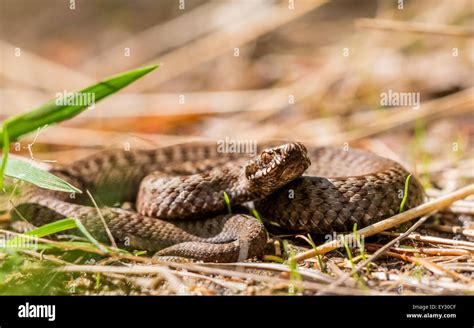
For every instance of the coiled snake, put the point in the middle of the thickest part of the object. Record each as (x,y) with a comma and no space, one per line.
(179,196)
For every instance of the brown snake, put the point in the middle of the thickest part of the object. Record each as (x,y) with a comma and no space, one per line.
(179,196)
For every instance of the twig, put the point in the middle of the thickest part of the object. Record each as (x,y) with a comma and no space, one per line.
(312,274)
(433,267)
(436,240)
(376,254)
(425,283)
(414,27)
(451,229)
(58,261)
(227,284)
(150,269)
(428,251)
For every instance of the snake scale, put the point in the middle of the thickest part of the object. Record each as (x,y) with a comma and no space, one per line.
(178,193)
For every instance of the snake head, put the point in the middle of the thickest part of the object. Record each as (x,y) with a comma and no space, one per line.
(277,166)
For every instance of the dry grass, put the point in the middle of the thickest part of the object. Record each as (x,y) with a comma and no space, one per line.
(283,56)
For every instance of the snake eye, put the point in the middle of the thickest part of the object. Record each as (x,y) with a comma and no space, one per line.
(266,157)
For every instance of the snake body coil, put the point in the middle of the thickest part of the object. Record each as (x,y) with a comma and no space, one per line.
(179,195)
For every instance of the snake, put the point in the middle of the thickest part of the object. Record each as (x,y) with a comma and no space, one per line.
(194,201)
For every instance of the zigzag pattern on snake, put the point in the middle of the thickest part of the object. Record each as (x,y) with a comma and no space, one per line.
(179,196)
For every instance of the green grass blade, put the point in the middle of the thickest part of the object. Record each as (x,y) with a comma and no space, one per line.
(23,170)
(58,226)
(405,194)
(227,202)
(52,228)
(54,112)
(46,230)
(5,148)
(51,112)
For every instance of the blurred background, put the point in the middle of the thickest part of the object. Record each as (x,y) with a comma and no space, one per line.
(307,70)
